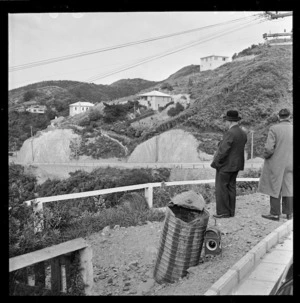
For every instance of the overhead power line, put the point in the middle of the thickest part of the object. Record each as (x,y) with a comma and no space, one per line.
(167,53)
(77,55)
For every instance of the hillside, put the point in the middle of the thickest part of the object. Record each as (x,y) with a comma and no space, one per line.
(85,91)
(257,88)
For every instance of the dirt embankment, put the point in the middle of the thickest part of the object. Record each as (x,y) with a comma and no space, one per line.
(49,146)
(174,146)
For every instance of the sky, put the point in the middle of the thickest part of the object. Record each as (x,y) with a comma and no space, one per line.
(41,36)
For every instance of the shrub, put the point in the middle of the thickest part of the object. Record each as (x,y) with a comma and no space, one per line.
(167,86)
(174,111)
(84,122)
(30,94)
(252,173)
(120,215)
(134,201)
(95,115)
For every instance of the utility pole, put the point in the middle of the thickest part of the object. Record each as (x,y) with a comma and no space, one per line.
(156,148)
(31,144)
(252,131)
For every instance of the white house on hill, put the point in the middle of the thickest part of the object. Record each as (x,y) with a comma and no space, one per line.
(212,62)
(154,99)
(37,109)
(79,107)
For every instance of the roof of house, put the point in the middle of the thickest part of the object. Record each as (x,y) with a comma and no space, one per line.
(37,106)
(82,104)
(214,56)
(42,107)
(155,93)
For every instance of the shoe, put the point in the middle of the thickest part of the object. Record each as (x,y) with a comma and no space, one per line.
(221,216)
(289,217)
(271,217)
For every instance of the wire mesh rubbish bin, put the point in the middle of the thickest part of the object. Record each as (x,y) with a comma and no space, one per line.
(182,238)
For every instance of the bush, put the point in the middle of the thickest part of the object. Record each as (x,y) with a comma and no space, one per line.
(252,173)
(120,215)
(174,111)
(167,86)
(95,115)
(29,95)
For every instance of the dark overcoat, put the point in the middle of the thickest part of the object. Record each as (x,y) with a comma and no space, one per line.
(230,154)
(277,172)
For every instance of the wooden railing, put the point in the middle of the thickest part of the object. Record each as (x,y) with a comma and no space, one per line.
(59,268)
(148,187)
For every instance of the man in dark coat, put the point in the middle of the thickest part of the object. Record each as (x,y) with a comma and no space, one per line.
(228,161)
(277,174)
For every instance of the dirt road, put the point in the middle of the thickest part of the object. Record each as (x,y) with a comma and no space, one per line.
(124,258)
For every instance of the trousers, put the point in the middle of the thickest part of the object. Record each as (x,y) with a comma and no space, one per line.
(287,205)
(225,192)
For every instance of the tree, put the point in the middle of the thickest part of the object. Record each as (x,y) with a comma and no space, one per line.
(29,95)
(175,110)
(94,115)
(167,86)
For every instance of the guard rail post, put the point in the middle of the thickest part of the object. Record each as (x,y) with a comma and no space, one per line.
(149,195)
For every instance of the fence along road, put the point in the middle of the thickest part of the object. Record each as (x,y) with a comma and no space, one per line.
(38,202)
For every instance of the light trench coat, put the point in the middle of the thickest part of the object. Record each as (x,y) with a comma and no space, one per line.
(277,172)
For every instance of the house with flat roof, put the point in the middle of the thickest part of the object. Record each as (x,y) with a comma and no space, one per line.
(212,62)
(37,109)
(79,107)
(154,99)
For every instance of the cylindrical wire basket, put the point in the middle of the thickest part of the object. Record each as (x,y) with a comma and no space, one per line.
(180,243)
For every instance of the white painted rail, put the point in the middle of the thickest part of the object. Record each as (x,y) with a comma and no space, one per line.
(148,187)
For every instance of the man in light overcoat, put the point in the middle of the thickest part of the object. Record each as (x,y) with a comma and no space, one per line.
(277,174)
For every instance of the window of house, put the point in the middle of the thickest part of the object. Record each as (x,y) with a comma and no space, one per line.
(75,108)
(224,59)
(216,58)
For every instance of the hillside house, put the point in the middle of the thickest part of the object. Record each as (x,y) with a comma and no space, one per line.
(212,62)
(37,109)
(154,99)
(79,107)
(279,38)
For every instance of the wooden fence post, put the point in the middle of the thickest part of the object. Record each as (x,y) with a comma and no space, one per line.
(149,195)
(40,274)
(38,210)
(86,265)
(55,275)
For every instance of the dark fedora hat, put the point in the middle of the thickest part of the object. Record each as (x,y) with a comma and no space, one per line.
(284,113)
(232,115)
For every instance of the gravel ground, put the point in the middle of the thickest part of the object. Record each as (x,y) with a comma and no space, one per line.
(124,258)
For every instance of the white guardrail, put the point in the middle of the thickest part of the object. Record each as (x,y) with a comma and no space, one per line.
(37,203)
